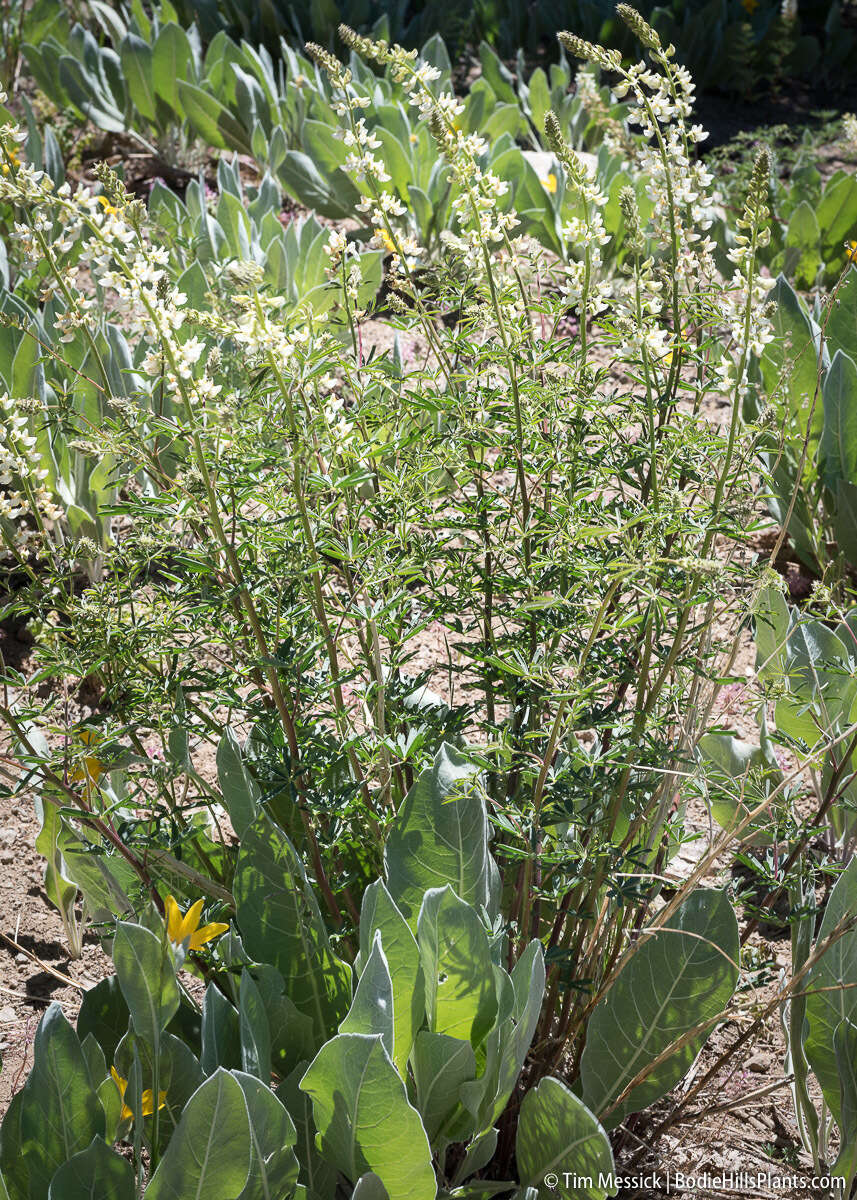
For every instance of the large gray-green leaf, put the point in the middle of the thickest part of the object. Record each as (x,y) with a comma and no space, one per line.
(379,914)
(255,1030)
(831,987)
(680,978)
(317,1175)
(274,1172)
(209,1154)
(364,1120)
(838,448)
(845,1047)
(136,56)
(461,992)
(793,358)
(172,60)
(840,323)
(96,1173)
(372,1007)
(440,836)
(281,924)
(58,1113)
(738,776)
(558,1136)
(528,980)
(221,1032)
(146,973)
(441,1064)
(240,791)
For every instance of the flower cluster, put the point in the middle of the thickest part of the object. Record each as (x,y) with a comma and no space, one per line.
(26,502)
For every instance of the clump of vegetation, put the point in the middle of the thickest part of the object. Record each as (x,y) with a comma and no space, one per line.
(404,565)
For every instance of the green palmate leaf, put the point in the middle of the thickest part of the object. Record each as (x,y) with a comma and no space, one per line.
(96,1173)
(147,976)
(677,982)
(240,791)
(274,1171)
(441,1064)
(379,914)
(56,1115)
(281,924)
(372,1007)
(838,447)
(210,1152)
(363,1117)
(831,987)
(461,992)
(440,836)
(560,1145)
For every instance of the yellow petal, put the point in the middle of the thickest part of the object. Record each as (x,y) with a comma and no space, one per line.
(174,919)
(119,1081)
(191,921)
(206,934)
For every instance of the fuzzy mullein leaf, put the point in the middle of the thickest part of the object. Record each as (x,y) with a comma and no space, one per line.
(557,1135)
(364,1120)
(56,1115)
(274,1171)
(380,915)
(146,973)
(461,991)
(96,1173)
(680,979)
(372,1009)
(280,921)
(440,836)
(210,1152)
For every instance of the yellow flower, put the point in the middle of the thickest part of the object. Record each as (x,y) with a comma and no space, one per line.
(851,252)
(181,927)
(749,6)
(386,241)
(414,139)
(14,159)
(549,184)
(91,769)
(110,210)
(147,1106)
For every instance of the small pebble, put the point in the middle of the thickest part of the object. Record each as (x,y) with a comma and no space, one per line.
(759,1063)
